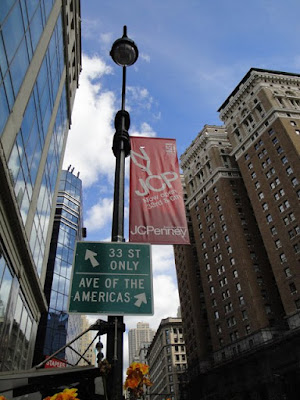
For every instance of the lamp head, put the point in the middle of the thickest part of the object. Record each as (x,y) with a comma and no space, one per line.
(124,51)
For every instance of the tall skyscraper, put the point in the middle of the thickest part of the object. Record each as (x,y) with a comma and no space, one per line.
(262,118)
(57,327)
(137,337)
(242,184)
(40,61)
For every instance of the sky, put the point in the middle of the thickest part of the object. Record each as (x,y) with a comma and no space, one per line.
(192,54)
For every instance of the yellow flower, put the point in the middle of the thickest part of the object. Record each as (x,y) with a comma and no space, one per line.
(67,394)
(137,377)
(138,366)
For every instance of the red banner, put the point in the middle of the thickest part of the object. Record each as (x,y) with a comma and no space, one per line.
(157,213)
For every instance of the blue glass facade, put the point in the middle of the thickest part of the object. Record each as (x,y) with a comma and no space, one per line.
(22,23)
(57,327)
(17,328)
(36,97)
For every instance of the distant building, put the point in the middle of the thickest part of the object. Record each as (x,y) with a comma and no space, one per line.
(166,357)
(136,337)
(40,46)
(57,327)
(85,341)
(239,281)
(142,355)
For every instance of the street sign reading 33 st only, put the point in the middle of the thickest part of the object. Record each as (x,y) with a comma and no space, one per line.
(112,278)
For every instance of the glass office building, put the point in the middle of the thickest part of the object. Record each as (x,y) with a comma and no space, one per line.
(40,62)
(57,327)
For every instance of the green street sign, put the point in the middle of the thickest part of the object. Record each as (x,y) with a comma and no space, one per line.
(111,278)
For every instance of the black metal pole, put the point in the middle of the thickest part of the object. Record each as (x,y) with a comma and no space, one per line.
(124,52)
(115,338)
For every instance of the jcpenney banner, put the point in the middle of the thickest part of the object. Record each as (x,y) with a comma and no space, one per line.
(157,213)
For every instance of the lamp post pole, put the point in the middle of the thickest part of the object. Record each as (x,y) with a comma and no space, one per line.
(124,52)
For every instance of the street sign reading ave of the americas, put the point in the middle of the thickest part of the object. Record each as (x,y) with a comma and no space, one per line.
(111,278)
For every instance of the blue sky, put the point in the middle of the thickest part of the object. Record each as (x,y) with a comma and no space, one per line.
(192,54)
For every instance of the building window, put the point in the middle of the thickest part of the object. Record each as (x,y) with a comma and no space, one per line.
(241,300)
(260,195)
(282,257)
(231,322)
(244,314)
(287,272)
(212,289)
(271,131)
(253,175)
(232,261)
(279,150)
(294,182)
(228,308)
(216,313)
(257,185)
(291,217)
(281,192)
(265,206)
(276,196)
(278,244)
(293,288)
(296,248)
(291,233)
(235,273)
(269,218)
(289,170)
(238,287)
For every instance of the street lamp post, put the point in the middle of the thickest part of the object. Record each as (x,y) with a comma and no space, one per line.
(124,52)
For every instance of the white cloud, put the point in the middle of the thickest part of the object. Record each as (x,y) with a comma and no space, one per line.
(140,97)
(90,138)
(145,57)
(99,214)
(89,28)
(163,259)
(144,130)
(106,38)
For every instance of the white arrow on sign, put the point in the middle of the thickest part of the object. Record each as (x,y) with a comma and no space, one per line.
(90,255)
(141,298)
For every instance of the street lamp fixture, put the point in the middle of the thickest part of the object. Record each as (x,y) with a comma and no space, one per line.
(124,52)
